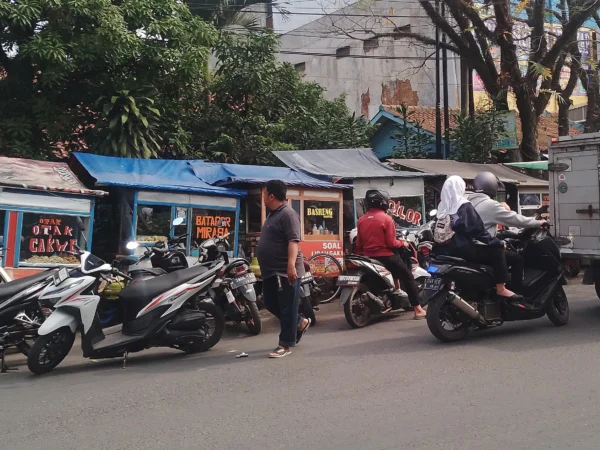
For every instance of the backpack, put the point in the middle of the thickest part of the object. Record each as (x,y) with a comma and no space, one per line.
(443,232)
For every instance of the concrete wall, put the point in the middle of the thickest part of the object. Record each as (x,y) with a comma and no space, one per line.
(395,72)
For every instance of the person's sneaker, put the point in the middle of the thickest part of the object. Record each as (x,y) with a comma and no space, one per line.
(279,352)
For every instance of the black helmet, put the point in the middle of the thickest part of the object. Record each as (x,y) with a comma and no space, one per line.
(377,198)
(488,183)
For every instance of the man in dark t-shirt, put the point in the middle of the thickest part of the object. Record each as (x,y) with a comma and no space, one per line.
(282,267)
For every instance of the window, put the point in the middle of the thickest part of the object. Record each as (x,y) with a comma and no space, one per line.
(183,228)
(300,68)
(153,223)
(254,205)
(295,205)
(529,203)
(212,223)
(46,238)
(321,220)
(370,44)
(342,52)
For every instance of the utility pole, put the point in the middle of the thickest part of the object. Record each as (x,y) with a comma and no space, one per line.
(445,83)
(438,118)
(270,23)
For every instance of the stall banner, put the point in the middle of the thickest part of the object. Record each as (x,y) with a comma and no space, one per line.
(333,248)
(211,226)
(49,239)
(406,213)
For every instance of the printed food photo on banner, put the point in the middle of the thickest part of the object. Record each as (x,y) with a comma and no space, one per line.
(49,239)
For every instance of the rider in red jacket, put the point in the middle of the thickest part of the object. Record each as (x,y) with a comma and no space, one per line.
(376,238)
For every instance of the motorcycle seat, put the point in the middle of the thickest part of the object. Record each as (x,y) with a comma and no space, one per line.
(462,262)
(151,271)
(12,288)
(136,296)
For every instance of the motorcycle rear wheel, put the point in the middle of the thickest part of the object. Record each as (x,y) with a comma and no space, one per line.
(439,312)
(558,308)
(357,312)
(49,350)
(215,316)
(253,321)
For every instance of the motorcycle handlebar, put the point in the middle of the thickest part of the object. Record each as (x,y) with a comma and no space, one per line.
(116,271)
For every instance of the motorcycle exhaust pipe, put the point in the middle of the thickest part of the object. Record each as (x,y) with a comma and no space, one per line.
(467,308)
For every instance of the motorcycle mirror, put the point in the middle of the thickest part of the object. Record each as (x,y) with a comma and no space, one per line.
(433,213)
(132,245)
(178,221)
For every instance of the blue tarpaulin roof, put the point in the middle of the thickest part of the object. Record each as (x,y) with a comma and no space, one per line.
(218,174)
(155,174)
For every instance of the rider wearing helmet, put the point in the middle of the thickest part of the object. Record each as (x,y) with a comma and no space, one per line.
(376,238)
(493,213)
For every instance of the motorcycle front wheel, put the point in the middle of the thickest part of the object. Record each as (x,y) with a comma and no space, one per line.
(444,319)
(49,350)
(356,310)
(558,308)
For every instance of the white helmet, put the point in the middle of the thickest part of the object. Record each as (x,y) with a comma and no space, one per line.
(353,235)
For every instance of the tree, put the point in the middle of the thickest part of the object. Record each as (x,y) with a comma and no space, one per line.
(58,58)
(259,104)
(222,13)
(414,141)
(473,136)
(530,62)
(472,37)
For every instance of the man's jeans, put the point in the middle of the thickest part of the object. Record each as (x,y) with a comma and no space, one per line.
(281,299)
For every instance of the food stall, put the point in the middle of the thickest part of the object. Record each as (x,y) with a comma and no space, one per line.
(42,207)
(362,169)
(147,195)
(318,203)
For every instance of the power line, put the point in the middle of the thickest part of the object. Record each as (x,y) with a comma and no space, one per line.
(417,58)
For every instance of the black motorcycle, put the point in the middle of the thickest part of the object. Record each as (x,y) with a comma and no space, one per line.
(235,296)
(21,312)
(462,294)
(310,295)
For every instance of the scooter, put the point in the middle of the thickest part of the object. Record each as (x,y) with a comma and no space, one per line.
(21,312)
(172,310)
(368,290)
(462,294)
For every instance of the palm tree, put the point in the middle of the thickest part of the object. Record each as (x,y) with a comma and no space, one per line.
(222,13)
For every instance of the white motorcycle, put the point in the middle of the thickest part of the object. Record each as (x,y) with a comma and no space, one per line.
(172,310)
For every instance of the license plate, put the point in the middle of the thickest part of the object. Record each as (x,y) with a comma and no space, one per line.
(230,296)
(248,278)
(348,280)
(433,284)
(61,276)
(307,278)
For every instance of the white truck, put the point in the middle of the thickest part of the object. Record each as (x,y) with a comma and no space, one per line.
(574,174)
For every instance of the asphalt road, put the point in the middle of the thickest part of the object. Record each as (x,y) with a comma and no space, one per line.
(526,385)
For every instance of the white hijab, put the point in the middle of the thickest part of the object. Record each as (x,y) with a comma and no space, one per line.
(452,197)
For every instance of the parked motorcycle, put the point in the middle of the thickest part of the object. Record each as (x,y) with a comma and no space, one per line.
(4,277)
(235,295)
(463,293)
(21,313)
(310,295)
(172,310)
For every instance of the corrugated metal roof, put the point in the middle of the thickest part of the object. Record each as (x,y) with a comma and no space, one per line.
(468,171)
(42,176)
(340,163)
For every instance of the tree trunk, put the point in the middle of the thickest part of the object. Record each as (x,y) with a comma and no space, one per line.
(529,124)
(592,120)
(563,117)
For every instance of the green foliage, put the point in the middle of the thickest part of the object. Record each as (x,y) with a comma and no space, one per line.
(128,125)
(473,137)
(413,140)
(57,57)
(259,105)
